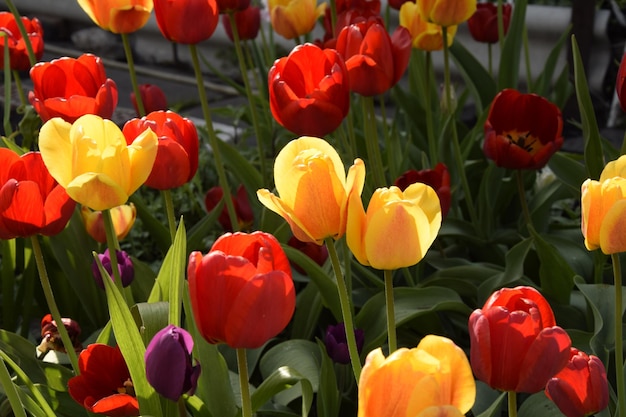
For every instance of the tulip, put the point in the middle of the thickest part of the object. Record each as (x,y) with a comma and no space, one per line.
(515,343)
(177,156)
(483,25)
(31,201)
(580,388)
(438,178)
(18,54)
(446,12)
(311,182)
(293,18)
(118,16)
(603,206)
(248,23)
(620,86)
(72,87)
(51,339)
(337,345)
(123,218)
(124,266)
(104,385)
(522,131)
(348,12)
(169,368)
(319,254)
(434,376)
(245,215)
(375,61)
(309,90)
(230,6)
(241,292)
(425,36)
(152,97)
(397,229)
(91,160)
(186,21)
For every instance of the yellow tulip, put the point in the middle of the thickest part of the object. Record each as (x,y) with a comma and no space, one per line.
(123,218)
(426,36)
(433,379)
(311,182)
(118,16)
(446,12)
(92,161)
(603,222)
(397,229)
(615,168)
(293,18)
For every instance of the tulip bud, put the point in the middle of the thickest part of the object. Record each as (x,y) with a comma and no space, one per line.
(337,344)
(124,266)
(152,97)
(123,219)
(51,340)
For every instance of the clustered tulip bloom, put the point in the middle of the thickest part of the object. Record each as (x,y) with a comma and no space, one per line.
(522,131)
(293,18)
(241,292)
(309,90)
(169,368)
(124,266)
(432,379)
(31,201)
(123,217)
(397,229)
(580,388)
(186,21)
(620,85)
(337,345)
(177,155)
(483,25)
(50,338)
(104,385)
(118,16)
(438,178)
(72,87)
(515,342)
(425,35)
(152,97)
(446,12)
(18,54)
(375,61)
(92,161)
(348,12)
(248,23)
(241,203)
(313,190)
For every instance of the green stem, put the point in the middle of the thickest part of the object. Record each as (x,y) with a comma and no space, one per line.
(346,309)
(113,246)
(433,151)
(133,75)
(371,141)
(169,211)
(10,391)
(20,25)
(529,75)
(512,402)
(490,58)
(333,17)
(242,366)
(19,88)
(619,352)
(52,305)
(519,176)
(500,26)
(391,315)
(213,140)
(6,120)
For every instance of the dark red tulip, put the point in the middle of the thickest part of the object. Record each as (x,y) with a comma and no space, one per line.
(620,86)
(248,22)
(228,6)
(31,201)
(348,12)
(318,253)
(152,97)
(72,87)
(245,215)
(309,91)
(438,178)
(104,385)
(522,131)
(186,21)
(375,60)
(515,343)
(242,293)
(177,155)
(51,339)
(18,54)
(483,25)
(580,388)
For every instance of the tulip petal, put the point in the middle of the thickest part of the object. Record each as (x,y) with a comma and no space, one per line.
(141,154)
(277,205)
(441,411)
(96,191)
(56,149)
(612,236)
(21,207)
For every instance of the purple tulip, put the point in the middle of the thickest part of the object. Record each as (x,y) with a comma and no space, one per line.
(169,368)
(336,344)
(124,265)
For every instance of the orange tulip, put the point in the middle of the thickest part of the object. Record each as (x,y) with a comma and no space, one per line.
(293,18)
(426,36)
(446,12)
(123,219)
(603,220)
(118,16)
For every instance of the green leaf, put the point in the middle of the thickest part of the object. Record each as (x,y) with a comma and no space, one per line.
(158,231)
(328,394)
(538,405)
(555,274)
(306,318)
(8,387)
(544,81)
(150,318)
(476,77)
(483,393)
(280,381)
(568,170)
(508,72)
(245,171)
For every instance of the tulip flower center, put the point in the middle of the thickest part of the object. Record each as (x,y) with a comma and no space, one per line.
(524,140)
(127,388)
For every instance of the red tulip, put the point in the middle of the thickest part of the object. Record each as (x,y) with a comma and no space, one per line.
(483,25)
(308,90)
(18,54)
(581,388)
(248,22)
(522,131)
(228,6)
(348,12)
(245,216)
(375,61)
(152,97)
(31,201)
(72,87)
(438,178)
(242,293)
(186,21)
(620,86)
(104,385)
(515,343)
(177,155)
(51,339)
(318,253)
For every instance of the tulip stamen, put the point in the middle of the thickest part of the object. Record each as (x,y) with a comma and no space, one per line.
(520,140)
(127,388)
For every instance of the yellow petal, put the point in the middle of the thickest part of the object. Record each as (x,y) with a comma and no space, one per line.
(354,185)
(427,199)
(141,155)
(56,149)
(613,229)
(355,227)
(441,411)
(615,168)
(96,191)
(275,204)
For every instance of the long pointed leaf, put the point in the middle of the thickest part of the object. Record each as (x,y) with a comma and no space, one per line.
(508,73)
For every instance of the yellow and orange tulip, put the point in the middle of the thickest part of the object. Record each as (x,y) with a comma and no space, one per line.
(293,18)
(433,379)
(118,16)
(397,229)
(123,218)
(446,12)
(603,220)
(91,160)
(313,189)
(426,36)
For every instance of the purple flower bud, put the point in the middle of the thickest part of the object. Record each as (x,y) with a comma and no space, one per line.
(336,345)
(168,363)
(124,265)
